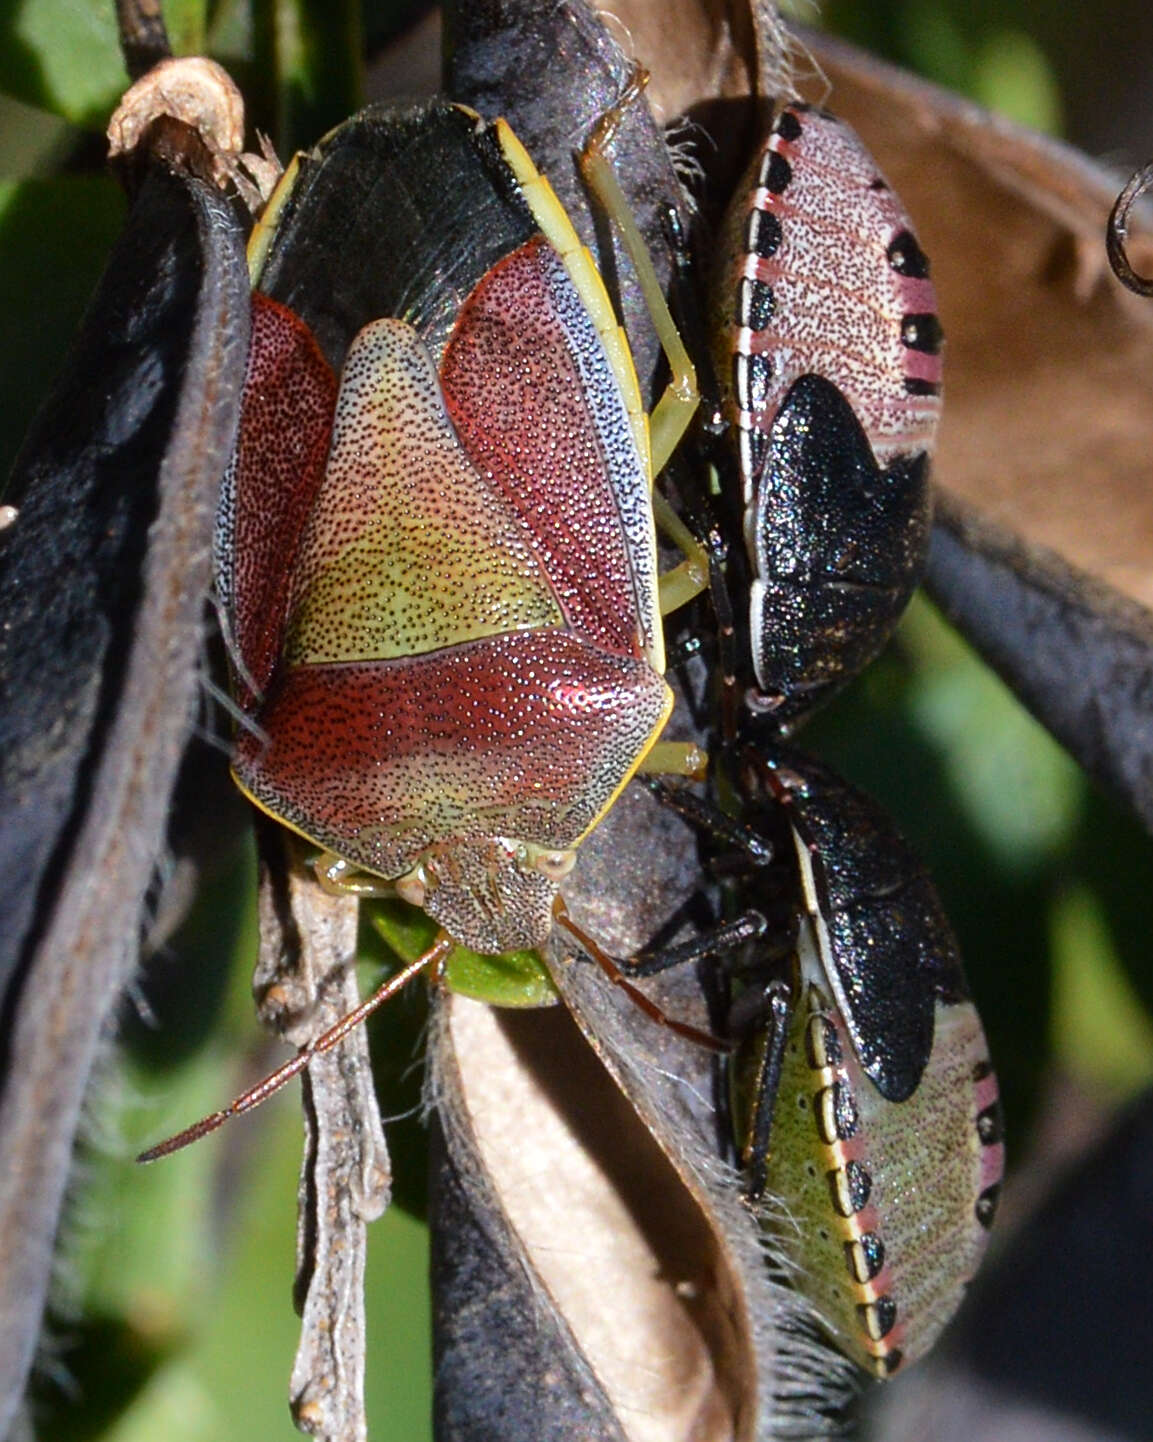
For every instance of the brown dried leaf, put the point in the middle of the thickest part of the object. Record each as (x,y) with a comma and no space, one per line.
(648,1284)
(602,1174)
(693,51)
(609,1234)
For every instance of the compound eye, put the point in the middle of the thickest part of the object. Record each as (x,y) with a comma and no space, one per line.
(555,865)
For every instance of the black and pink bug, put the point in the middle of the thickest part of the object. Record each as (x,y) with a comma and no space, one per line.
(829,341)
(864,1101)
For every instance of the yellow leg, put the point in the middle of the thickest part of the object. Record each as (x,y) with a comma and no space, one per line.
(676,407)
(688,579)
(340,878)
(676,758)
(673,412)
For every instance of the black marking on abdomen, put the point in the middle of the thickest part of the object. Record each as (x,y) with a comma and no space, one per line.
(921,330)
(752,376)
(822,1044)
(906,256)
(990,1125)
(776,173)
(837,1115)
(889,1363)
(764,234)
(850,1188)
(755,304)
(788,127)
(986,1208)
(864,1257)
(879,1317)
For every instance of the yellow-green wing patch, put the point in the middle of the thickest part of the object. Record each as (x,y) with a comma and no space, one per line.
(407,550)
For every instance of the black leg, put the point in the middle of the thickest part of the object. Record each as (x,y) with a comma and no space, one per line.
(708,946)
(776,1010)
(708,818)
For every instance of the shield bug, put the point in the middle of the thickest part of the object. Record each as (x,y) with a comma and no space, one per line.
(463,664)
(439,573)
(864,1097)
(828,345)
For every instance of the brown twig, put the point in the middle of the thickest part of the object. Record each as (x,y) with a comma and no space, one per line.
(305,982)
(143,36)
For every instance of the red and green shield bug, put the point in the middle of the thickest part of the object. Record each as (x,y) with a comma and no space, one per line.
(463,664)
(438,573)
(865,1102)
(829,347)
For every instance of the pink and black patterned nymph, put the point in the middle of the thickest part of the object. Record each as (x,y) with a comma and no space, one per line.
(830,347)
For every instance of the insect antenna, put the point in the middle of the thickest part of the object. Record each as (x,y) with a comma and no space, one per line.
(253,1097)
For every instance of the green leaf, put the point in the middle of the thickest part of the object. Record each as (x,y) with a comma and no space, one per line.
(1022,792)
(1101,1033)
(516,979)
(64,56)
(1014,77)
(54,238)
